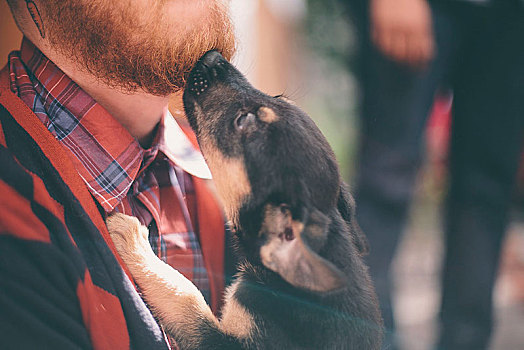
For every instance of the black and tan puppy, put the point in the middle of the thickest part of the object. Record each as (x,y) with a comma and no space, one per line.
(302,282)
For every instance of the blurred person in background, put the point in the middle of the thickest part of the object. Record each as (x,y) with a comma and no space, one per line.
(85,131)
(409,50)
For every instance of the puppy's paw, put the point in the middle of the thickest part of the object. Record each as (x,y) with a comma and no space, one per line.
(129,237)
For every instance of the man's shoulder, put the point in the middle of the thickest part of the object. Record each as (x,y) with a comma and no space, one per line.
(24,196)
(27,206)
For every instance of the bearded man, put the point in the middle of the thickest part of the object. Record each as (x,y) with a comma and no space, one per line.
(85,131)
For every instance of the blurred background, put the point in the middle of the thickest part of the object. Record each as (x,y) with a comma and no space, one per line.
(306,50)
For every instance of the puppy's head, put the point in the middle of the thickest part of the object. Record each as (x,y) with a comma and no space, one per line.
(273,169)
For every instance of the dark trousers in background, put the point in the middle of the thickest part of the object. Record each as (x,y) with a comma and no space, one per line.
(480,56)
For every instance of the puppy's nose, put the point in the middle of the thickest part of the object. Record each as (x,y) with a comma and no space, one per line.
(211,58)
(207,71)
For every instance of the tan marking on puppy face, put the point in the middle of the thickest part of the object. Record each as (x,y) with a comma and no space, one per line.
(279,256)
(286,253)
(275,219)
(267,115)
(230,177)
(236,319)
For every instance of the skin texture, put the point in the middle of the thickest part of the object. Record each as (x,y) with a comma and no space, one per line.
(402,30)
(129,55)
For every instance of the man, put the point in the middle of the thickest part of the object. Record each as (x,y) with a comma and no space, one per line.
(410,49)
(85,131)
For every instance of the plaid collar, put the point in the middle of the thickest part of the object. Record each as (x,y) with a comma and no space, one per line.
(106,156)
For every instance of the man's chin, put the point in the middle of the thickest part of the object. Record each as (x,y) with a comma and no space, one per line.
(119,56)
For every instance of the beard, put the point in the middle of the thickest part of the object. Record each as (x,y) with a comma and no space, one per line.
(147,45)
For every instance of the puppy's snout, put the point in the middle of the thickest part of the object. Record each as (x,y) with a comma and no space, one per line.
(211,59)
(206,71)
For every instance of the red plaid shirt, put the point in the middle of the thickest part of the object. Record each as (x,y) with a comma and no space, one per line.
(154,184)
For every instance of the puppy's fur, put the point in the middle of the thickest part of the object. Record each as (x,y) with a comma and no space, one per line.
(301,280)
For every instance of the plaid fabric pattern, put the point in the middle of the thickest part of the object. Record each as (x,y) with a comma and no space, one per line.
(155,185)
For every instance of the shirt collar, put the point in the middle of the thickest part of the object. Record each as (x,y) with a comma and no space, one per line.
(106,156)
(177,147)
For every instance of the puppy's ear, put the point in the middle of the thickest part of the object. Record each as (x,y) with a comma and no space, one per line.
(346,208)
(289,250)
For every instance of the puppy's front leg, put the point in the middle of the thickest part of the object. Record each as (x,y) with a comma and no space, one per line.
(173,299)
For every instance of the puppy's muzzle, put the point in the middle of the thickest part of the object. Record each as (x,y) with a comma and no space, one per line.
(205,72)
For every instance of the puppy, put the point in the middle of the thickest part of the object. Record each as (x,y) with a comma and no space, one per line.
(301,282)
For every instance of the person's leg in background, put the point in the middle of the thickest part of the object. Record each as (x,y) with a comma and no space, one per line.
(485,150)
(396,102)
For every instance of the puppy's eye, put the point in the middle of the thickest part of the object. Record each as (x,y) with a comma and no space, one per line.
(244,120)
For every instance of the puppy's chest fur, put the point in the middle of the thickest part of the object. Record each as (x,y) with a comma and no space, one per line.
(275,315)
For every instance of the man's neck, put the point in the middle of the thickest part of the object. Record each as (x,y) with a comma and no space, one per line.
(138,112)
